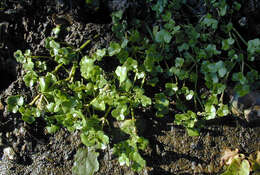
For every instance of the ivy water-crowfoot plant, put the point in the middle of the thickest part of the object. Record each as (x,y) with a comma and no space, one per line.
(191,61)
(186,61)
(83,101)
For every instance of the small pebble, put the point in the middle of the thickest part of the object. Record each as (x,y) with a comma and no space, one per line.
(24,147)
(242,22)
(22,131)
(16,132)
(193,165)
(9,153)
(7,135)
(15,145)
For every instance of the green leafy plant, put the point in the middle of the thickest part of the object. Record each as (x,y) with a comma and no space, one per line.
(185,62)
(188,56)
(83,101)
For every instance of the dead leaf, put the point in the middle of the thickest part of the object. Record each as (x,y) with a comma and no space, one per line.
(227,156)
(1,106)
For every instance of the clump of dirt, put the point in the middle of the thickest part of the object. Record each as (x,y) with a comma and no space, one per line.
(26,149)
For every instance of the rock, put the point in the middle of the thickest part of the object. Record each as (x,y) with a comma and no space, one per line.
(9,153)
(247,106)
(115,5)
(62,20)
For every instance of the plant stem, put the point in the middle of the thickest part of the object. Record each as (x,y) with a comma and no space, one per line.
(143,80)
(196,83)
(40,102)
(200,102)
(105,116)
(237,33)
(132,113)
(40,57)
(57,68)
(243,66)
(149,31)
(83,45)
(35,99)
(107,112)
(249,66)
(72,73)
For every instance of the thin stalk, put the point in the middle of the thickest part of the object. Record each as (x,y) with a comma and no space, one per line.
(72,73)
(237,41)
(143,80)
(57,68)
(238,34)
(88,110)
(107,112)
(132,113)
(45,99)
(221,97)
(192,67)
(242,66)
(149,31)
(196,83)
(35,99)
(200,102)
(40,102)
(104,118)
(68,45)
(135,79)
(35,57)
(249,66)
(168,69)
(83,45)
(226,77)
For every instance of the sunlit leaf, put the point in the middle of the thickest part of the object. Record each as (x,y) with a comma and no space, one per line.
(186,119)
(114,49)
(99,104)
(163,36)
(179,62)
(46,82)
(223,110)
(85,162)
(253,46)
(226,44)
(14,102)
(30,78)
(121,72)
(161,104)
(52,129)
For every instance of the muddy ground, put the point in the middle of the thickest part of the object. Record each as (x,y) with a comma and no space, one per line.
(24,25)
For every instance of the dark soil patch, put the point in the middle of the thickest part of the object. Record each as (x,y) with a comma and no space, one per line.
(25,25)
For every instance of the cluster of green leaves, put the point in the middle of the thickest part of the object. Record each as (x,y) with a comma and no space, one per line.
(127,150)
(189,60)
(83,101)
